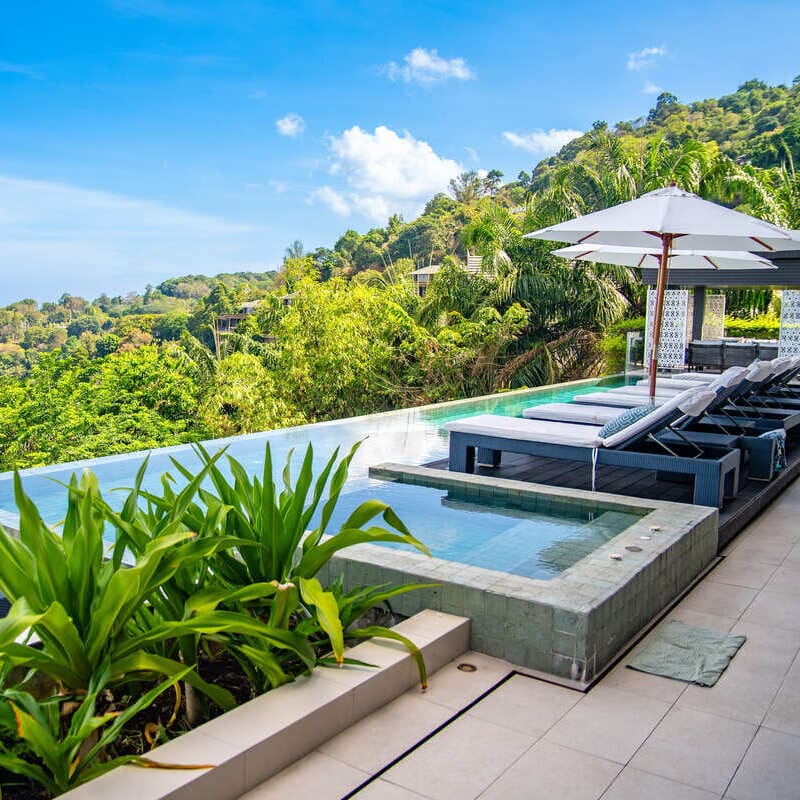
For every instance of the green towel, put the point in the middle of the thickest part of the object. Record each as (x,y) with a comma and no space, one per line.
(695,655)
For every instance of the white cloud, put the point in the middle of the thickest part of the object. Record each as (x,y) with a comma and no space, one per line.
(383,173)
(644,57)
(335,201)
(472,153)
(651,88)
(21,69)
(426,67)
(540,142)
(290,125)
(56,237)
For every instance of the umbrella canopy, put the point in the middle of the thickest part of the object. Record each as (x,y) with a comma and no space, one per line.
(694,224)
(664,218)
(678,259)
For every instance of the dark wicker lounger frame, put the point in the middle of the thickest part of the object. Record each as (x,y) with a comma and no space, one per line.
(715,477)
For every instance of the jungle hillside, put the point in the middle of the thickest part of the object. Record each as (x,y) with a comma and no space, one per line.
(343,330)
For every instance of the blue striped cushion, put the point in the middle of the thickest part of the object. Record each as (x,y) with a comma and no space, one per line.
(623,420)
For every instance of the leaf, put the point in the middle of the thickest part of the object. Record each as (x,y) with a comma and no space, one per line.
(327,612)
(380,632)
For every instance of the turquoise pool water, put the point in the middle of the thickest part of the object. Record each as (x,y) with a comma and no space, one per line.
(411,436)
(458,526)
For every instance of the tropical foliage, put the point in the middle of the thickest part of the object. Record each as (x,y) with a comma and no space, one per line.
(343,331)
(120,606)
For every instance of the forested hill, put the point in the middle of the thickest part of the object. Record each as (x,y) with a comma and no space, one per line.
(343,330)
(758,124)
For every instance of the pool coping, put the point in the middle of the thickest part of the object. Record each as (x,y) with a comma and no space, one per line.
(574,624)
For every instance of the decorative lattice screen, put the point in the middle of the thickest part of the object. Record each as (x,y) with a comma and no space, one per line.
(672,347)
(789,344)
(714,317)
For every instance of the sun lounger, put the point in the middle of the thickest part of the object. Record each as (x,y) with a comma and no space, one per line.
(702,431)
(716,473)
(739,414)
(594,414)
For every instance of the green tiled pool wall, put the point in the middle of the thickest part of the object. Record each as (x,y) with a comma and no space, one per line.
(573,625)
(511,494)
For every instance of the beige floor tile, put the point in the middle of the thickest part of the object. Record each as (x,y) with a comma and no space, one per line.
(712,622)
(767,551)
(461,761)
(784,714)
(526,705)
(702,750)
(748,686)
(742,571)
(387,733)
(316,775)
(453,688)
(383,790)
(608,723)
(551,772)
(786,579)
(767,648)
(719,599)
(744,695)
(770,769)
(631,680)
(633,784)
(794,555)
(777,609)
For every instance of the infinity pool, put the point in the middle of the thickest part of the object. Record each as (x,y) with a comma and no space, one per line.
(409,436)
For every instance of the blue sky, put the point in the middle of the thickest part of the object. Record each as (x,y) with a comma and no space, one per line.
(141,139)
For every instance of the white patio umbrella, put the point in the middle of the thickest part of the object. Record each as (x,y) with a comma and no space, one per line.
(678,259)
(662,218)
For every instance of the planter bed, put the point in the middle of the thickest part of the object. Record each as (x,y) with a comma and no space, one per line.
(258,739)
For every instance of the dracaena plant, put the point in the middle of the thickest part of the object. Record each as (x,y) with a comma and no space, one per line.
(273,571)
(60,755)
(193,592)
(85,608)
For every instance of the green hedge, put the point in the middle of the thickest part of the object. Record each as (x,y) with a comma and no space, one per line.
(613,343)
(764,327)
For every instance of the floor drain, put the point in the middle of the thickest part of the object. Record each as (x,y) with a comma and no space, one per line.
(464,667)
(634,548)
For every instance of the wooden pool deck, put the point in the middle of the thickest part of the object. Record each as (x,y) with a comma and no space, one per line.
(754,496)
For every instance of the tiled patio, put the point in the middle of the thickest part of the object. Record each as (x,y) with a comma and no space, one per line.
(632,736)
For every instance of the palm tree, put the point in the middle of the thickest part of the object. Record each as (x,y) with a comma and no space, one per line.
(294,251)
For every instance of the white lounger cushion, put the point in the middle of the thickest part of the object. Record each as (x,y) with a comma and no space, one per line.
(692,402)
(726,379)
(730,377)
(573,412)
(619,400)
(529,430)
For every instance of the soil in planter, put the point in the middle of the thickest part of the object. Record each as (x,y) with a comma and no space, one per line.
(16,788)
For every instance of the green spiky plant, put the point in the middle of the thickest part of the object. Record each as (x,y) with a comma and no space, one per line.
(274,575)
(62,755)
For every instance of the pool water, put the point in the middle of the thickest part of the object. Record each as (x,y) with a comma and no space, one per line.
(458,526)
(410,436)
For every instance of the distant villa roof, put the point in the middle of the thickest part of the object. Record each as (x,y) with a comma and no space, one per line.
(429,270)
(473,265)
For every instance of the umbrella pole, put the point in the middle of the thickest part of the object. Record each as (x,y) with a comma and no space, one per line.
(661,287)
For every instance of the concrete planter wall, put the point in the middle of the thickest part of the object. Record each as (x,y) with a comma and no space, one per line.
(260,738)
